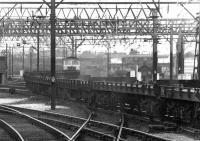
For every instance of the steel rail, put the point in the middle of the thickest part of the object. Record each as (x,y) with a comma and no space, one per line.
(75,136)
(98,134)
(39,123)
(134,132)
(40,113)
(75,119)
(16,89)
(11,130)
(120,128)
(89,131)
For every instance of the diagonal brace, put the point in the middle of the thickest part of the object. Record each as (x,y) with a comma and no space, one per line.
(59,3)
(47,3)
(157,8)
(8,12)
(188,11)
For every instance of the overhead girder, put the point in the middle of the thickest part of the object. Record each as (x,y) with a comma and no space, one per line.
(103,2)
(90,19)
(88,7)
(93,27)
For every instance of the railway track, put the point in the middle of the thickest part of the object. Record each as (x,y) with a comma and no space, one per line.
(88,129)
(23,127)
(8,133)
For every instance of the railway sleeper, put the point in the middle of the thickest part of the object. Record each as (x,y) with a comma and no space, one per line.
(96,134)
(161,128)
(65,125)
(140,135)
(191,132)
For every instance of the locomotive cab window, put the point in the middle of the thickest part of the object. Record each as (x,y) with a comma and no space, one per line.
(71,63)
(67,62)
(75,62)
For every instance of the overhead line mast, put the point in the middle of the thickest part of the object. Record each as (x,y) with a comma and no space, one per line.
(53,55)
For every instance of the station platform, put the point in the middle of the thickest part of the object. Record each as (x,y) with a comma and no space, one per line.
(42,103)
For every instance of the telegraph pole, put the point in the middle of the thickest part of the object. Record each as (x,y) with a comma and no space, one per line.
(53,58)
(64,52)
(155,42)
(43,60)
(198,44)
(10,58)
(12,62)
(23,58)
(108,61)
(171,54)
(180,54)
(31,59)
(38,49)
(6,60)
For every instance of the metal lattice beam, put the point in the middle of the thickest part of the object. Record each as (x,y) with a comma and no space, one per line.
(103,2)
(91,19)
(78,27)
